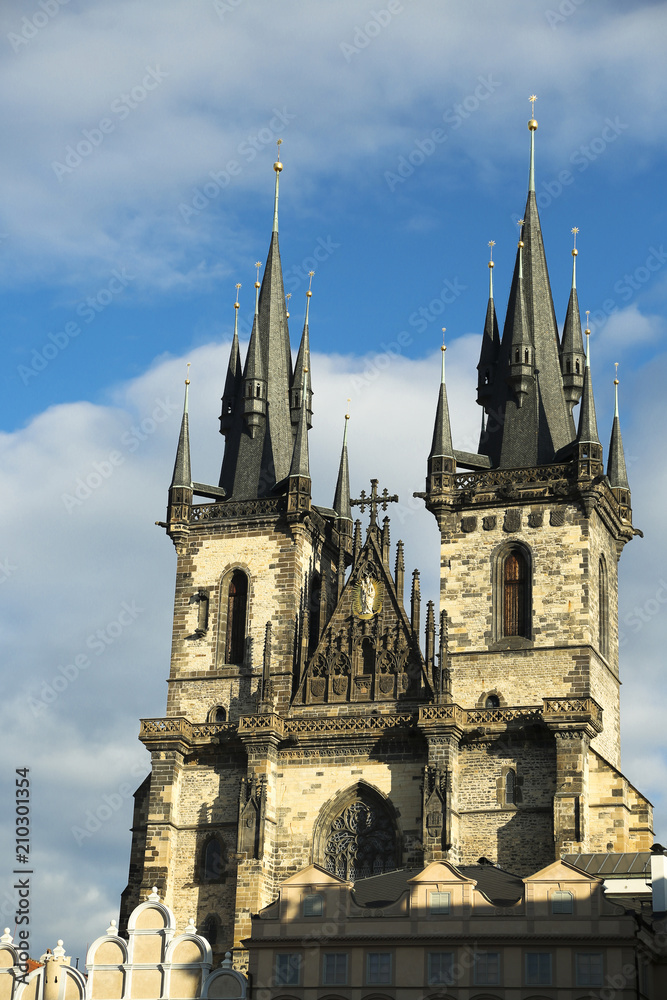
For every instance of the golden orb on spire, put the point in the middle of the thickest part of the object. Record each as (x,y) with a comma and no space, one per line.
(574,232)
(532,124)
(277,166)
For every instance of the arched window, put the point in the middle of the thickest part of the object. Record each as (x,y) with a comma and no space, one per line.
(510,788)
(213,860)
(237,602)
(217,714)
(516,595)
(493,701)
(356,835)
(603,608)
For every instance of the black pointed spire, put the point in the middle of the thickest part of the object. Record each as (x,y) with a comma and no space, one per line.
(587,432)
(538,430)
(303,365)
(488,356)
(341,501)
(233,379)
(572,359)
(182,477)
(521,353)
(260,442)
(299,482)
(254,376)
(588,447)
(616,470)
(441,457)
(300,465)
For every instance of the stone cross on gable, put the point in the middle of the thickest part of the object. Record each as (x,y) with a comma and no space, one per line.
(374,501)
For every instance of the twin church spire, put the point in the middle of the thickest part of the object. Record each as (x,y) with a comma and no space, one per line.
(530,379)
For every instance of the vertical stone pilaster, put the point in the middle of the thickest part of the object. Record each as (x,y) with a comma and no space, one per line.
(571,796)
(261,735)
(440,800)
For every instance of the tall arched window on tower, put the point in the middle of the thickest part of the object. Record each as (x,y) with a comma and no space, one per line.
(237,603)
(603,608)
(515,594)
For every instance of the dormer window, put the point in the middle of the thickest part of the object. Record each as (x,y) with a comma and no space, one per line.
(438,903)
(562,901)
(313,905)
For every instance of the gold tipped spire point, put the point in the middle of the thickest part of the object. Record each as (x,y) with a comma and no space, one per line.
(277,166)
(532,124)
(287,298)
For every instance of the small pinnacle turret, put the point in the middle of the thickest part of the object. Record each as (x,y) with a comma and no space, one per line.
(303,365)
(441,457)
(234,377)
(572,360)
(588,447)
(182,476)
(521,360)
(254,376)
(488,356)
(299,482)
(341,501)
(616,470)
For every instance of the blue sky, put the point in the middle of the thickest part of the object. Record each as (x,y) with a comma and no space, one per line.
(136,190)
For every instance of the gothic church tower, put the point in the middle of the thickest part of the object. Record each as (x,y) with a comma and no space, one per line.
(304,723)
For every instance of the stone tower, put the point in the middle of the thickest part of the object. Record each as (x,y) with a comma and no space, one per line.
(304,722)
(531,537)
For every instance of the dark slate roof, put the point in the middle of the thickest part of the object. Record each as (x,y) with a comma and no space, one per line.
(381,890)
(500,887)
(631,863)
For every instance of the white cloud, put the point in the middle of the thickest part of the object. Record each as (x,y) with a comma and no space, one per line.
(120,203)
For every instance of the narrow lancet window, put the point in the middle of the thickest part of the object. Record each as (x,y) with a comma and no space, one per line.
(515,595)
(237,601)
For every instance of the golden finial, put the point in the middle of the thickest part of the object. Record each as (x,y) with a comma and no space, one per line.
(277,166)
(520,224)
(310,275)
(532,124)
(187,380)
(258,264)
(287,298)
(236,304)
(492,243)
(587,331)
(444,331)
(347,415)
(574,232)
(616,373)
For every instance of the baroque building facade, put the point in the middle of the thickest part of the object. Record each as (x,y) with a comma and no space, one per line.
(309,719)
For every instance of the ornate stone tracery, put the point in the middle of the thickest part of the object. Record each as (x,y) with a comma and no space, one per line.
(361,842)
